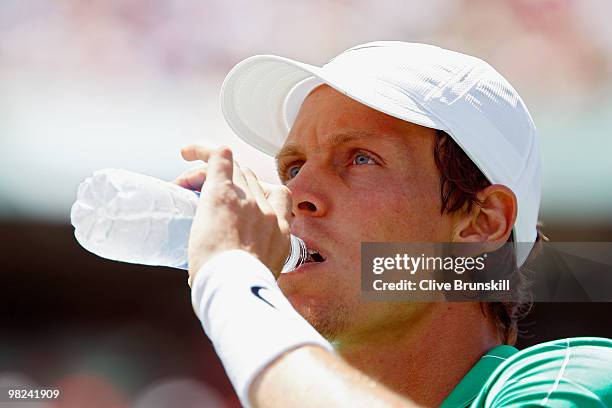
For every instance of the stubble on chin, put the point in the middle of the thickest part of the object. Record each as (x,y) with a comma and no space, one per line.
(329,315)
(329,320)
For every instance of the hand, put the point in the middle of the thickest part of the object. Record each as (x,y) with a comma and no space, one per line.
(234,211)
(193,179)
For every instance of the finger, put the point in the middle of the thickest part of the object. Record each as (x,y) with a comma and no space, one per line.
(258,192)
(220,167)
(199,152)
(196,152)
(192,179)
(241,182)
(279,198)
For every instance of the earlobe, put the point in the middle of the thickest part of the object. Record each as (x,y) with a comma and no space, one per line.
(492,220)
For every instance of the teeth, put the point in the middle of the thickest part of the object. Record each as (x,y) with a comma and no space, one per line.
(312,251)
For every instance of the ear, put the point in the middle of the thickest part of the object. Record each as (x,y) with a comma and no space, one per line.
(490,222)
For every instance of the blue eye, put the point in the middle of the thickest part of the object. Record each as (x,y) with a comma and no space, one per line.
(293,171)
(361,158)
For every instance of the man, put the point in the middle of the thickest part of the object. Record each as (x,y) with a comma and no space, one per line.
(394,142)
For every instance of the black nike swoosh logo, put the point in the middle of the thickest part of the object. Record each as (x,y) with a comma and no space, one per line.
(255,290)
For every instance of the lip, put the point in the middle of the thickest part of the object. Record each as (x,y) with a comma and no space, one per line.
(305,268)
(310,244)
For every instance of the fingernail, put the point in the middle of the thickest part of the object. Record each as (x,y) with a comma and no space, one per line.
(225,151)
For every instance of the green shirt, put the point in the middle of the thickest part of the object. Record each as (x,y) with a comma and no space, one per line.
(575,372)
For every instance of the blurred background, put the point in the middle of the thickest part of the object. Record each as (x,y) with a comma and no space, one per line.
(91,84)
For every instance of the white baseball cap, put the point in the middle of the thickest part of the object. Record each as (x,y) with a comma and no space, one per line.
(419,83)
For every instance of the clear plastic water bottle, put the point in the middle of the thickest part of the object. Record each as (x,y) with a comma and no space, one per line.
(131,217)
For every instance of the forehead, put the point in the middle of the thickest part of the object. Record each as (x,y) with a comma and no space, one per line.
(328,118)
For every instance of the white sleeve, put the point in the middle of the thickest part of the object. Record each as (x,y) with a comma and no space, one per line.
(246,316)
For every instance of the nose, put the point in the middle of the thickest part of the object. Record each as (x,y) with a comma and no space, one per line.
(308,193)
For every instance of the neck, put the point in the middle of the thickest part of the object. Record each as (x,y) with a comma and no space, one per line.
(425,359)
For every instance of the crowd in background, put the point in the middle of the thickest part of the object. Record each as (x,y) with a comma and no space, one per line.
(86,84)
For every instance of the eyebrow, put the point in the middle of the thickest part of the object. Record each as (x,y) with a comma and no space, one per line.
(335,139)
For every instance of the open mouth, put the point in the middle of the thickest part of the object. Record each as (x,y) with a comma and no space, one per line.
(314,256)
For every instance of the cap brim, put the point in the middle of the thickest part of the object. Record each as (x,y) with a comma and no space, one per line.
(255,93)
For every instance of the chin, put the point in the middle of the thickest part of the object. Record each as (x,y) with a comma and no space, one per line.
(324,295)
(329,317)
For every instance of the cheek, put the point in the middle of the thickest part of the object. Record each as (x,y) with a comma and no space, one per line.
(394,211)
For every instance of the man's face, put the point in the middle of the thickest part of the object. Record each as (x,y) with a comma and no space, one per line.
(356,175)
